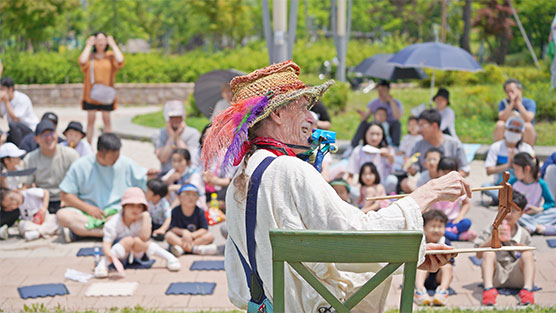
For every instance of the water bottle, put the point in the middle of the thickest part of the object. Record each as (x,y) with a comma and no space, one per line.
(214,201)
(96,254)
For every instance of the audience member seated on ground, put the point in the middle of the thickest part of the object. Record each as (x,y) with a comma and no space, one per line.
(541,209)
(432,157)
(374,148)
(76,139)
(342,189)
(52,161)
(394,111)
(380,117)
(129,232)
(320,113)
(35,221)
(159,208)
(223,103)
(429,124)
(458,226)
(505,269)
(17,105)
(501,154)
(369,179)
(28,143)
(175,135)
(442,101)
(516,105)
(189,226)
(434,224)
(93,187)
(181,173)
(412,137)
(548,173)
(10,159)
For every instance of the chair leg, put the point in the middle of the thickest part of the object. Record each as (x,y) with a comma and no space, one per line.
(406,301)
(278,288)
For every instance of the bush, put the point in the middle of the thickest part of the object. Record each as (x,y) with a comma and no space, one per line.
(336,97)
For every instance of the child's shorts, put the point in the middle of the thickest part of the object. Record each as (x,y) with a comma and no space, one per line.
(509,277)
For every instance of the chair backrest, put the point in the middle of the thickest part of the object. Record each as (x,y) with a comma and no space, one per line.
(394,247)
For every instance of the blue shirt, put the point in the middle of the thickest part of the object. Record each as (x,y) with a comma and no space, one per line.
(529,104)
(103,186)
(194,222)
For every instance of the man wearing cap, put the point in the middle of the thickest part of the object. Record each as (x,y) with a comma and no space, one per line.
(51,160)
(175,135)
(93,188)
(28,143)
(448,123)
(21,117)
(267,124)
(501,154)
(394,112)
(516,105)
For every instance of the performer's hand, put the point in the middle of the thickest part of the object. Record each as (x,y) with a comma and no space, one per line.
(434,261)
(450,187)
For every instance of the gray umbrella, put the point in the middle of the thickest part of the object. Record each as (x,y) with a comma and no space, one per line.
(208,88)
(377,66)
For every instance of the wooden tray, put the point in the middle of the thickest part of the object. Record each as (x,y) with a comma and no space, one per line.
(475,250)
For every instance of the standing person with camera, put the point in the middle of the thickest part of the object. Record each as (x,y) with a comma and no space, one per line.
(98,86)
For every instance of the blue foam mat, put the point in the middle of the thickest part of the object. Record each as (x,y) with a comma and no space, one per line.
(511,291)
(451,292)
(43,290)
(137,264)
(551,243)
(88,252)
(191,288)
(207,265)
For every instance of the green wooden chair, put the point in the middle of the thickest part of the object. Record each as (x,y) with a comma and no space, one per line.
(394,247)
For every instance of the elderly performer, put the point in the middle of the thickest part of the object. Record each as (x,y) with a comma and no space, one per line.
(268,124)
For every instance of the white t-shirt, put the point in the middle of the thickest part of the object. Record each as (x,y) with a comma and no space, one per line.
(498,155)
(83,147)
(32,201)
(116,229)
(23,109)
(293,195)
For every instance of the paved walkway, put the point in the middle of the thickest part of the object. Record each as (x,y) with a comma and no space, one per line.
(46,260)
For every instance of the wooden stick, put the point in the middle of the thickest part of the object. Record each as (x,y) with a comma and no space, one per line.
(405,195)
(486,249)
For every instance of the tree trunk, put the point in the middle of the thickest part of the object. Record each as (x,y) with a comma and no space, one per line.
(464,40)
(501,50)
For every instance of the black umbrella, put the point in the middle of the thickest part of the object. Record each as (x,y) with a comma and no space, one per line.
(377,66)
(208,88)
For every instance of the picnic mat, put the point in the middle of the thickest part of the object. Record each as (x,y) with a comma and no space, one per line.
(88,251)
(470,150)
(111,289)
(43,290)
(551,243)
(207,265)
(511,291)
(137,264)
(191,288)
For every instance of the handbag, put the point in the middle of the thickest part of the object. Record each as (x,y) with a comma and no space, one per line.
(100,93)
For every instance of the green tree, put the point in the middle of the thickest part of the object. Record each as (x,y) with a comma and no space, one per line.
(536,17)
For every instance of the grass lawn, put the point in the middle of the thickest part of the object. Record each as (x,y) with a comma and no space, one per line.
(474,123)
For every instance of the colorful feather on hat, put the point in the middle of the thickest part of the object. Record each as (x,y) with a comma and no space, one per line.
(229,131)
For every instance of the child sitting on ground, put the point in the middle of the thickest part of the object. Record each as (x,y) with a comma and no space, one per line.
(434,224)
(75,139)
(370,187)
(432,157)
(457,228)
(342,189)
(10,157)
(505,268)
(181,173)
(159,208)
(380,117)
(409,140)
(189,227)
(129,231)
(33,209)
(537,218)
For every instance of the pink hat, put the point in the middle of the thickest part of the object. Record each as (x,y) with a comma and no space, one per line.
(134,195)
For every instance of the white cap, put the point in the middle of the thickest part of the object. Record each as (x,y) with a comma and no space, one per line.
(173,108)
(10,150)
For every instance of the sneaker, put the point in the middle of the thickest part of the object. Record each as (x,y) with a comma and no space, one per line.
(206,249)
(69,236)
(31,235)
(173,265)
(527,297)
(176,250)
(4,232)
(101,271)
(422,297)
(469,235)
(440,297)
(489,296)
